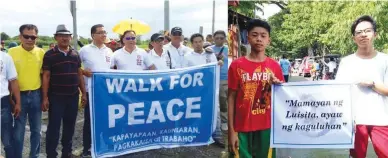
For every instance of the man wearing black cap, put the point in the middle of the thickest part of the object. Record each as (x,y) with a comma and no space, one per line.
(160,57)
(176,49)
(62,74)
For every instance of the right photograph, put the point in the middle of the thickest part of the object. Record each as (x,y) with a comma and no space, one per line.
(307,79)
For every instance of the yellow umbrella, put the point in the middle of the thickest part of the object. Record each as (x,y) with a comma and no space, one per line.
(138,26)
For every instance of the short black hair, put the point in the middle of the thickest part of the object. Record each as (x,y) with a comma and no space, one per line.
(93,30)
(362,19)
(258,23)
(28,27)
(125,32)
(284,56)
(209,35)
(194,36)
(219,32)
(186,38)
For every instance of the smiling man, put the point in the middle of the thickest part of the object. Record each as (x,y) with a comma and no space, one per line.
(367,68)
(249,96)
(28,62)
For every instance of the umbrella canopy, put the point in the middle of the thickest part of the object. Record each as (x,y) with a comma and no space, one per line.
(138,26)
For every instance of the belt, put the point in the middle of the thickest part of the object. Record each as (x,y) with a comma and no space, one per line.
(29,91)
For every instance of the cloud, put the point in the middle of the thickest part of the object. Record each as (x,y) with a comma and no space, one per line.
(47,14)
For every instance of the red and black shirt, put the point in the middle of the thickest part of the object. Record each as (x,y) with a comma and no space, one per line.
(63,67)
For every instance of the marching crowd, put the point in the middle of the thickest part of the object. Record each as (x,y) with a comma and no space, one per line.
(33,80)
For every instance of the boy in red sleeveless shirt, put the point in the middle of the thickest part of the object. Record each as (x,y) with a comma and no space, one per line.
(249,99)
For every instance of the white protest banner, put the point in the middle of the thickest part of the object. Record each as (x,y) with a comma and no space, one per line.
(312,115)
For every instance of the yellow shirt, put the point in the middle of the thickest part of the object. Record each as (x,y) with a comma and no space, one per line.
(28,66)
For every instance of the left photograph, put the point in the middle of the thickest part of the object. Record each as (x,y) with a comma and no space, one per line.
(118,78)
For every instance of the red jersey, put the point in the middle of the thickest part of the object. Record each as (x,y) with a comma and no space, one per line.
(251,80)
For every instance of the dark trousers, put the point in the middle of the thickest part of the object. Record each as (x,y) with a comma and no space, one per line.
(87,137)
(62,108)
(7,127)
(285,78)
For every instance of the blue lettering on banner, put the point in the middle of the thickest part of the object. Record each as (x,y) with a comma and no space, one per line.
(138,111)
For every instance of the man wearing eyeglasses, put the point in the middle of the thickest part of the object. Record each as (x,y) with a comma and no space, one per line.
(175,47)
(369,70)
(130,57)
(28,61)
(95,57)
(221,52)
(160,57)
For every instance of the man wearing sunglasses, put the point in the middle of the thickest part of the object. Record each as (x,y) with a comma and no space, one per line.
(367,68)
(95,57)
(28,61)
(176,49)
(130,57)
(221,52)
(160,57)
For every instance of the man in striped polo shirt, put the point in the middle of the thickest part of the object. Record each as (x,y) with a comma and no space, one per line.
(62,76)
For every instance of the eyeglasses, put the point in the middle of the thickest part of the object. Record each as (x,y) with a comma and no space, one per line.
(101,33)
(219,38)
(130,38)
(159,40)
(29,37)
(366,31)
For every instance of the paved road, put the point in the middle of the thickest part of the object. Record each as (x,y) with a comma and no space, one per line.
(318,153)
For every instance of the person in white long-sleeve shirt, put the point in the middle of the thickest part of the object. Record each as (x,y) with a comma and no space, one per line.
(368,69)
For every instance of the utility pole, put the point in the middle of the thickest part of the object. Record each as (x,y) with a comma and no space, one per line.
(201,30)
(166,15)
(214,15)
(73,10)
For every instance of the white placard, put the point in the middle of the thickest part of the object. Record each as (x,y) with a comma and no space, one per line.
(312,115)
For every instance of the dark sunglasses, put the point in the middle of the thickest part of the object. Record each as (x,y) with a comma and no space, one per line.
(130,38)
(29,37)
(177,33)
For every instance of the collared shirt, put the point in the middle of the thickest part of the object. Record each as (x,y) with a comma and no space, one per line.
(194,59)
(95,59)
(162,62)
(64,78)
(178,54)
(28,66)
(138,59)
(7,73)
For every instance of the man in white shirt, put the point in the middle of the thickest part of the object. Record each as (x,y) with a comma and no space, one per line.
(332,66)
(369,70)
(159,56)
(130,57)
(94,57)
(8,75)
(176,49)
(199,56)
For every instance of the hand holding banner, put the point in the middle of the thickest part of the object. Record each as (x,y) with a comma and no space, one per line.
(312,115)
(138,111)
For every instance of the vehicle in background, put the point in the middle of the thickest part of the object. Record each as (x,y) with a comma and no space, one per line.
(305,66)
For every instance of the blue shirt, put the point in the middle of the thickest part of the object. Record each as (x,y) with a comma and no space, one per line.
(224,68)
(285,65)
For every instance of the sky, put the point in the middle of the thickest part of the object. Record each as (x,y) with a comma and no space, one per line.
(47,14)
(268,10)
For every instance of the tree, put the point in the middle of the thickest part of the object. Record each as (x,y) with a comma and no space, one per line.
(249,8)
(324,27)
(4,36)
